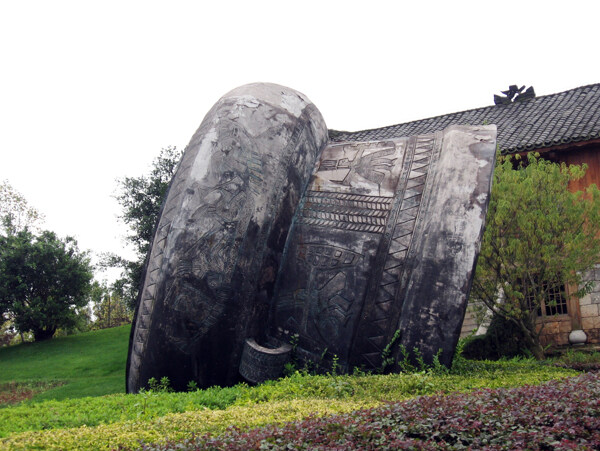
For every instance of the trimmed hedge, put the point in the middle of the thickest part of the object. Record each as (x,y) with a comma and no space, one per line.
(124,420)
(129,434)
(557,415)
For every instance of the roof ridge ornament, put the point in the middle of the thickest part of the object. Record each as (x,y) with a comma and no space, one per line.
(513,91)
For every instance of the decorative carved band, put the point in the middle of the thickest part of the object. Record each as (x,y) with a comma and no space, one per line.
(345,211)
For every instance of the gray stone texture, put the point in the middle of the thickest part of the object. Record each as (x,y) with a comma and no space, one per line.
(269,233)
(594,276)
(386,238)
(219,241)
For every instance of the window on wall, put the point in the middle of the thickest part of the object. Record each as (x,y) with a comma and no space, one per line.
(554,303)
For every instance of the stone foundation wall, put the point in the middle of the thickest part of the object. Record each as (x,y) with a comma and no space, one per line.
(474,322)
(557,329)
(590,308)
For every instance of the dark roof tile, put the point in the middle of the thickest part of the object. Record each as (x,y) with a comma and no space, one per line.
(544,121)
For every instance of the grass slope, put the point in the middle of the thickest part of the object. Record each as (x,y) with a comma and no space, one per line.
(91,364)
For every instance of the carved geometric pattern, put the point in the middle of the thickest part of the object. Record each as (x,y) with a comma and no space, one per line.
(346,211)
(380,310)
(352,200)
(328,257)
(143,320)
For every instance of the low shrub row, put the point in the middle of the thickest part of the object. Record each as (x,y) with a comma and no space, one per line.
(561,414)
(176,426)
(106,422)
(579,360)
(95,411)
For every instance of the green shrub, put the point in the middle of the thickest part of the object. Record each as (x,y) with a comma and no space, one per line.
(489,419)
(123,419)
(502,339)
(579,360)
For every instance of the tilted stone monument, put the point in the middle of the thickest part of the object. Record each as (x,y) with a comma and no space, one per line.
(270,235)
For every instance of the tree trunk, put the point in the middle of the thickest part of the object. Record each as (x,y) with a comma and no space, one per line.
(538,351)
(533,344)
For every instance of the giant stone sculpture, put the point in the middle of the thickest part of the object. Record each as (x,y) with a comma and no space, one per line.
(269,232)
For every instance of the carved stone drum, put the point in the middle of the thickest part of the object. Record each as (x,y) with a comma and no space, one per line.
(270,235)
(221,234)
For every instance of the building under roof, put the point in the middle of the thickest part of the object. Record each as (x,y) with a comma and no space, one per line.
(563,127)
(538,123)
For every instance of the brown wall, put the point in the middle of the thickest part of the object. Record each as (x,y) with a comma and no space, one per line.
(578,154)
(580,311)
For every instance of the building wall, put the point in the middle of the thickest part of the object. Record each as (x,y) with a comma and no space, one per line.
(470,322)
(586,155)
(584,314)
(556,330)
(590,307)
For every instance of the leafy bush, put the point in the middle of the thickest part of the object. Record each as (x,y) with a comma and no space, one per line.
(128,434)
(94,411)
(502,339)
(560,414)
(106,422)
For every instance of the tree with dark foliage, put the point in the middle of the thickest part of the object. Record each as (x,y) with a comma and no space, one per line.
(44,280)
(109,309)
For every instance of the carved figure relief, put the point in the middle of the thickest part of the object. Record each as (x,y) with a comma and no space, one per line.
(319,306)
(383,307)
(352,192)
(370,169)
(219,234)
(197,294)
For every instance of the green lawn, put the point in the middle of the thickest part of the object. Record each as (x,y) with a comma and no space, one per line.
(90,364)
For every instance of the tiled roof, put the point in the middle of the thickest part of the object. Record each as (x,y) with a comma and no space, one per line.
(544,121)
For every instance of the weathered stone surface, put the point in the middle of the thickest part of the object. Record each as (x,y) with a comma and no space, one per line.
(218,244)
(261,363)
(386,239)
(447,243)
(267,233)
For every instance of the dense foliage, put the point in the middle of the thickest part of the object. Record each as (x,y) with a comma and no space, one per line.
(95,423)
(15,215)
(503,339)
(44,280)
(557,415)
(141,200)
(539,237)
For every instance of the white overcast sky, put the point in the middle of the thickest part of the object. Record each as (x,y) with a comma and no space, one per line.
(90,91)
